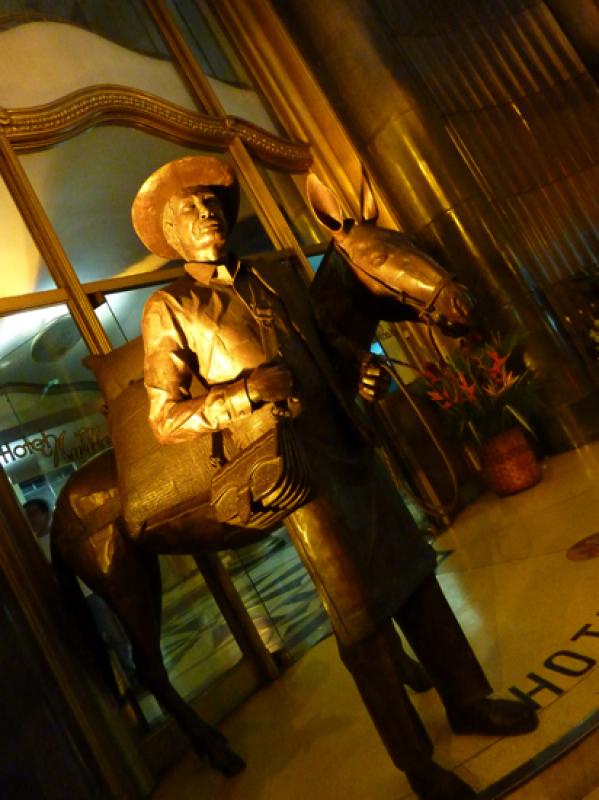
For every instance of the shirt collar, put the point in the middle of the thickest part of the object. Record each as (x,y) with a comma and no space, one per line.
(212,273)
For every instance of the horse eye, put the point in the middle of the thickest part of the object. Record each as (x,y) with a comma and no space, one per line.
(377,258)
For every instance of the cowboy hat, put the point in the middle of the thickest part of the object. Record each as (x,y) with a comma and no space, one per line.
(190,172)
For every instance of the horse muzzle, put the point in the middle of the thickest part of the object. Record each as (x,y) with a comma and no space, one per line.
(453,311)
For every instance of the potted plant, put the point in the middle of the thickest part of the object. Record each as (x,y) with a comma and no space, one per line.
(489,397)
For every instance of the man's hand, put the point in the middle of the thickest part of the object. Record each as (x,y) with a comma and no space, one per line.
(374,380)
(270,383)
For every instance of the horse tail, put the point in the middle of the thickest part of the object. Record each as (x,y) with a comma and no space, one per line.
(78,611)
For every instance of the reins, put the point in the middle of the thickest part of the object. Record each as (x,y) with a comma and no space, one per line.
(441,510)
(426,316)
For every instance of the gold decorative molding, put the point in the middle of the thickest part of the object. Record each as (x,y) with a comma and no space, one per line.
(38,127)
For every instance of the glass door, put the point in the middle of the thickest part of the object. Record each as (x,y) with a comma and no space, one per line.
(51,423)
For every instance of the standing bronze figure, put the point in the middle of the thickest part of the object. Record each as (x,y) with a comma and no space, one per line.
(355,537)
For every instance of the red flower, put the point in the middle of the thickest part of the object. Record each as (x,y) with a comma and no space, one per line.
(443,398)
(465,389)
(431,372)
(497,360)
(478,389)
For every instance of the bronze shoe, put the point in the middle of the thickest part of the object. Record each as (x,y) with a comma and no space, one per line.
(490,717)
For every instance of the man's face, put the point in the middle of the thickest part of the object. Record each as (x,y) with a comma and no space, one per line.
(38,519)
(199,225)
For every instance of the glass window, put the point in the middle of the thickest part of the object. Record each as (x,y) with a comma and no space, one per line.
(22,269)
(123,21)
(315,261)
(279,596)
(51,423)
(120,315)
(294,208)
(69,45)
(87,185)
(210,47)
(217,58)
(197,644)
(51,411)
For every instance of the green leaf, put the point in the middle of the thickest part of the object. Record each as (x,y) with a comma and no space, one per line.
(472,428)
(517,416)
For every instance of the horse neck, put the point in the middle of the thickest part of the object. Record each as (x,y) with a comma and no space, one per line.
(347,311)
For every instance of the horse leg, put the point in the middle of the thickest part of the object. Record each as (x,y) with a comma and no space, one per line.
(133,590)
(128,580)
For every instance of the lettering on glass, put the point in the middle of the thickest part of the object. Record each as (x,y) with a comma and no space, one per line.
(57,446)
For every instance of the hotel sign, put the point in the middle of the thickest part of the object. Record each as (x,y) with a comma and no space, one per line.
(63,447)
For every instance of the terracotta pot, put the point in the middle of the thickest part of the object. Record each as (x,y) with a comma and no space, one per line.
(509,464)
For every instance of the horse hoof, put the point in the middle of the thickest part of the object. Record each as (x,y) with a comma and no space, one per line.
(226,761)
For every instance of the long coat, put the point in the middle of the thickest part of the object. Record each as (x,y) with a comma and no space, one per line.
(356,538)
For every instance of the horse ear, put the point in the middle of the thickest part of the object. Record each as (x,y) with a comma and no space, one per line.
(324,204)
(368,206)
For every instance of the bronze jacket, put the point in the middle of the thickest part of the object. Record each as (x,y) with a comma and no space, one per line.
(356,538)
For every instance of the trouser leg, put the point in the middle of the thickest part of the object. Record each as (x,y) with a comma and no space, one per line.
(375,665)
(429,625)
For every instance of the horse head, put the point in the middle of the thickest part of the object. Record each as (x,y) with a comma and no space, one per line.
(389,264)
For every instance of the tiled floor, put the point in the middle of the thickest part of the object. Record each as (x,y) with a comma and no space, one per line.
(530,607)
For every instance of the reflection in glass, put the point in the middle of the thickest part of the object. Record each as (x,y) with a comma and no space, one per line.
(22,269)
(120,315)
(53,422)
(44,60)
(279,596)
(87,185)
(123,21)
(197,645)
(293,206)
(51,411)
(213,52)
(217,58)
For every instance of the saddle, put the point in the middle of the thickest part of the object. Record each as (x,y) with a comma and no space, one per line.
(164,490)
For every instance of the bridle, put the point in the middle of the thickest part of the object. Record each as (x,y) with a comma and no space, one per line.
(426,314)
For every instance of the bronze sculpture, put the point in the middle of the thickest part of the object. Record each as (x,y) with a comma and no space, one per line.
(97,535)
(94,536)
(359,544)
